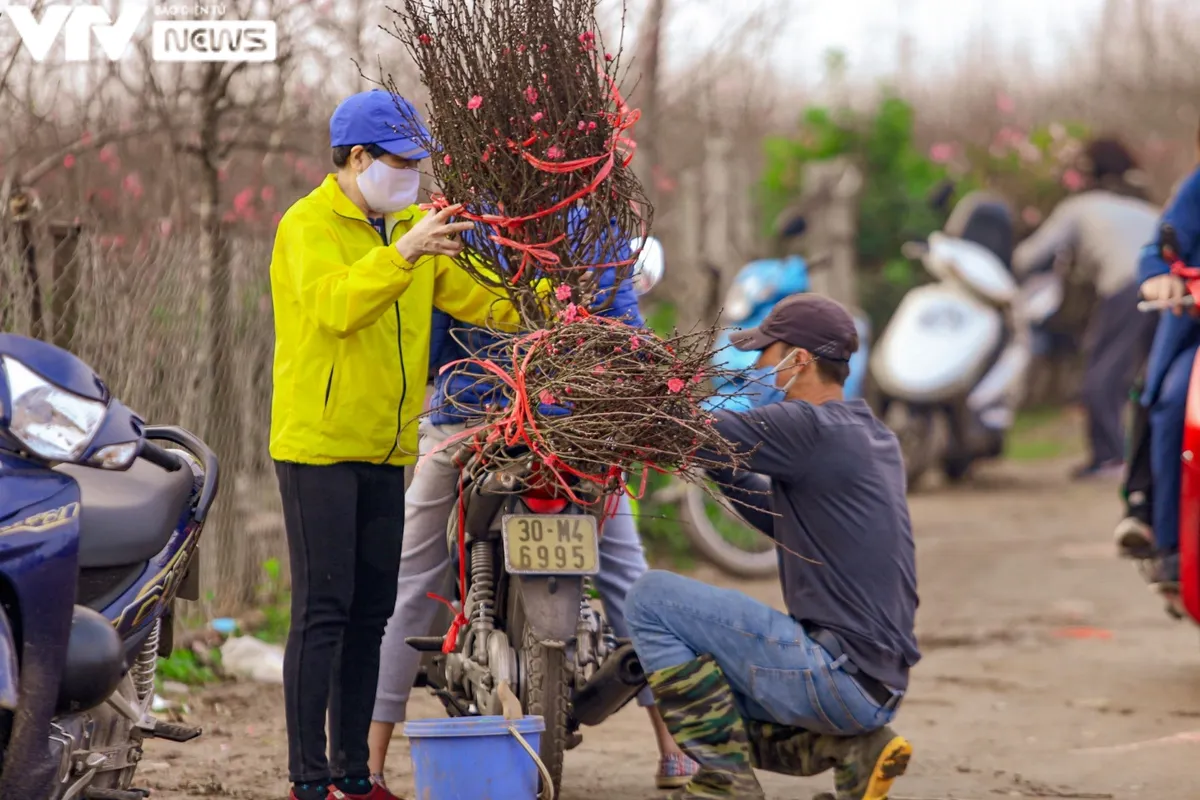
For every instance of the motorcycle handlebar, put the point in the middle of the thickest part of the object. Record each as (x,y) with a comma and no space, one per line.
(1161,305)
(191,443)
(159,457)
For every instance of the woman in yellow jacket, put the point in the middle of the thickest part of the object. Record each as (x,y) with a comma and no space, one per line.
(356,272)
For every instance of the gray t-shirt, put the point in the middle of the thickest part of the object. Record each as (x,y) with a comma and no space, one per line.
(835,482)
(1107,231)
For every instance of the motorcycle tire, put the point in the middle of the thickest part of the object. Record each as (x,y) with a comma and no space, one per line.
(546,686)
(914,430)
(956,470)
(711,544)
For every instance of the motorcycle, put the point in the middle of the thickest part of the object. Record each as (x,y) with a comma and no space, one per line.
(950,367)
(713,527)
(526,619)
(99,529)
(1187,604)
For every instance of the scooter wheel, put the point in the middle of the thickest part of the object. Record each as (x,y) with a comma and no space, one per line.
(956,469)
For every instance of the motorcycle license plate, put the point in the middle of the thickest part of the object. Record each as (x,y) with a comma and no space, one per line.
(566,544)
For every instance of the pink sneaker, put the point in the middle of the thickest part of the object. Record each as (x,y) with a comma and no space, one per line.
(675,771)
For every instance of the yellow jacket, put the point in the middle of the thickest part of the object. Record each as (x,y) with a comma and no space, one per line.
(352,328)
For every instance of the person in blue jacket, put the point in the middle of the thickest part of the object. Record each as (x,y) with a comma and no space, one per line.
(458,397)
(1168,374)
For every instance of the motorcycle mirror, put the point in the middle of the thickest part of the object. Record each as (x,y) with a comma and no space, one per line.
(939,198)
(650,265)
(1168,243)
(790,223)
(794,227)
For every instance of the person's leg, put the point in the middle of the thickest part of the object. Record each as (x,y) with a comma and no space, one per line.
(1133,533)
(715,656)
(319,514)
(1166,443)
(622,562)
(379,537)
(1111,355)
(424,568)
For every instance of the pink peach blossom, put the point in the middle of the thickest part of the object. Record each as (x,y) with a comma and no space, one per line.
(563,292)
(942,152)
(531,94)
(68,161)
(675,385)
(546,398)
(243,202)
(1072,180)
(555,151)
(537,117)
(475,102)
(133,185)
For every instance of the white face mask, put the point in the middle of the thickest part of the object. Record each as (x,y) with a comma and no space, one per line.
(387,189)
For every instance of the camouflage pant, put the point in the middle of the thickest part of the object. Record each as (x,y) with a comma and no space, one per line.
(699,709)
(777,673)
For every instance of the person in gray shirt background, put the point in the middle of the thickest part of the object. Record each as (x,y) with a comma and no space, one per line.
(813,688)
(1104,226)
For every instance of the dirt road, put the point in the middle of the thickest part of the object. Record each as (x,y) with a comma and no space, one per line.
(1048,671)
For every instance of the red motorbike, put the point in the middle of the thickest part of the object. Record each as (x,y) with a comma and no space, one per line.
(1188,603)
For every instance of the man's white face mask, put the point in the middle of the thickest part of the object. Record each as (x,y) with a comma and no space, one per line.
(387,189)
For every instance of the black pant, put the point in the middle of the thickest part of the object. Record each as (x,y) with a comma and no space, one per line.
(1138,478)
(1117,344)
(345,523)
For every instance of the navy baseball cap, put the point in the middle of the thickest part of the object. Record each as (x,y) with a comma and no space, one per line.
(380,118)
(818,324)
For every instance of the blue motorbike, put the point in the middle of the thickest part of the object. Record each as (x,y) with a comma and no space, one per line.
(99,529)
(713,528)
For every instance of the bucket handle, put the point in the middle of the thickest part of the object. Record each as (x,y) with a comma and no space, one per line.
(547,778)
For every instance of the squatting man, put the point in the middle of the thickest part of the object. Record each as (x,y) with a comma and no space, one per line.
(741,685)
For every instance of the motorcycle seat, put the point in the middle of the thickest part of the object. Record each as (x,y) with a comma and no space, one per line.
(127,517)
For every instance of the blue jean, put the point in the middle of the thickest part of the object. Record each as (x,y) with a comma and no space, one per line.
(777,673)
(1166,448)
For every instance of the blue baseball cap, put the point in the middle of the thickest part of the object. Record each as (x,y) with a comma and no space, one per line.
(380,118)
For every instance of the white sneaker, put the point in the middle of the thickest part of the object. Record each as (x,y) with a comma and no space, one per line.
(1134,539)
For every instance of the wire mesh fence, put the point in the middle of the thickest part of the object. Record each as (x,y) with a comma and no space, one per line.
(180,328)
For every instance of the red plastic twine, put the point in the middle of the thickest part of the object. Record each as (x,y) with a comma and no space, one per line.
(1191,275)
(619,145)
(518,425)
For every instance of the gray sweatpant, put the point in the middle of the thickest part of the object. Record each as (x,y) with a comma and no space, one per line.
(425,567)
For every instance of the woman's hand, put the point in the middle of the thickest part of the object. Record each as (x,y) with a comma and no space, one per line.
(433,235)
(1165,288)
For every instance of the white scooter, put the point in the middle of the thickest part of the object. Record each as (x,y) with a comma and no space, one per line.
(950,368)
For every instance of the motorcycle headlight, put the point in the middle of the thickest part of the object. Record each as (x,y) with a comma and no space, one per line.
(51,422)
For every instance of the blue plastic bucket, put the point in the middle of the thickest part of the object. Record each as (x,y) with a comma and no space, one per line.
(474,758)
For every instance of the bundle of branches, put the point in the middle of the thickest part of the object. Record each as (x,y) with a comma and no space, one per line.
(591,398)
(533,138)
